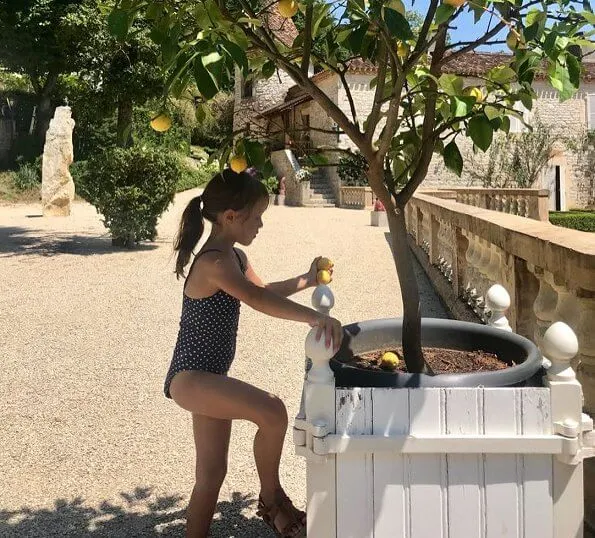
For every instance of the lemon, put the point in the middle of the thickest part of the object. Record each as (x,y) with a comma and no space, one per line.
(402,49)
(161,123)
(238,164)
(476,92)
(324,263)
(455,3)
(323,277)
(389,361)
(287,8)
(397,5)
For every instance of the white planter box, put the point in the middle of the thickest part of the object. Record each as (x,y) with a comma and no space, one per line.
(444,462)
(378,218)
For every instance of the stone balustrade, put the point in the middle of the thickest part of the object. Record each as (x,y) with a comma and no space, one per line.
(356,197)
(549,270)
(531,203)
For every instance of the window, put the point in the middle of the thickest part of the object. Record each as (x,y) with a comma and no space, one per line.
(516,125)
(591,111)
(247,88)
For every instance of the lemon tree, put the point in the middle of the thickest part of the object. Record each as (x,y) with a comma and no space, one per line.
(419,108)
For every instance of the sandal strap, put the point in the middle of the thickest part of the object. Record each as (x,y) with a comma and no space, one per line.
(293,527)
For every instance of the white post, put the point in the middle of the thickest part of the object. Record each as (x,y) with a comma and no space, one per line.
(317,418)
(497,303)
(559,346)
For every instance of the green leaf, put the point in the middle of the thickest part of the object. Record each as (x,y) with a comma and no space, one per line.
(589,16)
(119,23)
(492,112)
(268,69)
(461,106)
(453,159)
(451,84)
(205,82)
(254,152)
(501,74)
(574,70)
(505,126)
(549,45)
(355,40)
(237,55)
(443,13)
(481,132)
(559,78)
(398,26)
(526,99)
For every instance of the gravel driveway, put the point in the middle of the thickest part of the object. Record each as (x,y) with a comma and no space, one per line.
(90,446)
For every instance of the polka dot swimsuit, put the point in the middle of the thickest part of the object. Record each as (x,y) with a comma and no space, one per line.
(207,335)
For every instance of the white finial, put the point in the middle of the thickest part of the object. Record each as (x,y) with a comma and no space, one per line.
(560,346)
(320,355)
(498,302)
(323,299)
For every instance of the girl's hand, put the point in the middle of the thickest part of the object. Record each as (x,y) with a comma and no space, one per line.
(332,330)
(313,272)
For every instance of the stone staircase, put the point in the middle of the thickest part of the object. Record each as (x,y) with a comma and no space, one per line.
(320,192)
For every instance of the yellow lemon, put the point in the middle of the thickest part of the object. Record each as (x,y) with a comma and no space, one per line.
(389,361)
(476,92)
(402,49)
(238,164)
(455,3)
(323,277)
(324,263)
(287,8)
(161,123)
(398,6)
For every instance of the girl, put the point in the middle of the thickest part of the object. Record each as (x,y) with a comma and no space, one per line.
(220,278)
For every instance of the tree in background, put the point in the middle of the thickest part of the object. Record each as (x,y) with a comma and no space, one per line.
(44,39)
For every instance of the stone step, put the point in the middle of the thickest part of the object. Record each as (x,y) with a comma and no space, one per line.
(318,204)
(321,197)
(323,190)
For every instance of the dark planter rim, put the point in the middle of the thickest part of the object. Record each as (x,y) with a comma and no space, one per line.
(451,333)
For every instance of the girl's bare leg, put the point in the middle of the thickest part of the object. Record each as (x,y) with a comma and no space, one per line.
(225,398)
(211,437)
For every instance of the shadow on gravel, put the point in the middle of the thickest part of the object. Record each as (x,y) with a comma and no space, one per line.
(138,515)
(16,241)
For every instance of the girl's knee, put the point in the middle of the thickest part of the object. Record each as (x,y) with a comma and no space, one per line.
(275,414)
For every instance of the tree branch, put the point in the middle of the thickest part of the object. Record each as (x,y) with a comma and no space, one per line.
(428,135)
(374,115)
(349,96)
(307,39)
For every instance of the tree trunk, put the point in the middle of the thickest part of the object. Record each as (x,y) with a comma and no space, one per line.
(409,292)
(125,109)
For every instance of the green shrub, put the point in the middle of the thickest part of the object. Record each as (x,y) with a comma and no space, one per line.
(272,184)
(352,170)
(78,171)
(191,178)
(577,220)
(131,188)
(28,175)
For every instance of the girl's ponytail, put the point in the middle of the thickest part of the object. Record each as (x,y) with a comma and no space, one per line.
(191,229)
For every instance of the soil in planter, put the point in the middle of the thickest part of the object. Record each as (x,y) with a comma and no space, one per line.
(441,361)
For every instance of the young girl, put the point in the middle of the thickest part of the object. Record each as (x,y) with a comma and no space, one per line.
(219,279)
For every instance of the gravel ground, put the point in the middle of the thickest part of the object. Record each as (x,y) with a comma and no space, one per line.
(90,446)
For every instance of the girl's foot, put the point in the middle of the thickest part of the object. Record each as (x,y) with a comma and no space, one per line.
(281,516)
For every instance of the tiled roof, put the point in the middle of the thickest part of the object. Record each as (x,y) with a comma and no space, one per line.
(472,64)
(284,29)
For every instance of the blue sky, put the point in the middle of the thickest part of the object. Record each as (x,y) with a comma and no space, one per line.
(466,30)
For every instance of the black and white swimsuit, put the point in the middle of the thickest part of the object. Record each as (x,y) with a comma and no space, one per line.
(208,331)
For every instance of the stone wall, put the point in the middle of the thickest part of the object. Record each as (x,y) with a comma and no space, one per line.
(266,94)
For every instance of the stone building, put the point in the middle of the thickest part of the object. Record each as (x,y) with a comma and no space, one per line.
(280,111)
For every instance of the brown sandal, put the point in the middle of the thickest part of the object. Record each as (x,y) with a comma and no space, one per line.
(296,524)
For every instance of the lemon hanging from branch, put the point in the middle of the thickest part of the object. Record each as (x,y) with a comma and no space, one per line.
(161,123)
(238,163)
(287,8)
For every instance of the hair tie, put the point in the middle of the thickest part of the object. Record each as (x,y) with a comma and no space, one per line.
(200,201)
